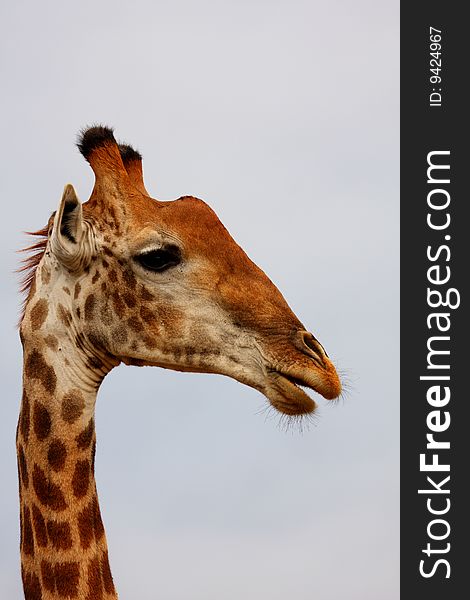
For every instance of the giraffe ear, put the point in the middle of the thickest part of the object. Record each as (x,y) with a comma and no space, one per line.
(68,237)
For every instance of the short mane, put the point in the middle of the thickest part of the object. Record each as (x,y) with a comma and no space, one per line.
(30,263)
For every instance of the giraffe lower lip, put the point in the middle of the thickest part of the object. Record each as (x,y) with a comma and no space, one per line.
(286,395)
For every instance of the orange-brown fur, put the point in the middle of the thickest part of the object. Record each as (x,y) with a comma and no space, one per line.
(93,302)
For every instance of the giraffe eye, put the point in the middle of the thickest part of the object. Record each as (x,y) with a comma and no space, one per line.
(161,259)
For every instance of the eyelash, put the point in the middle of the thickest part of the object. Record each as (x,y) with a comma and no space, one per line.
(160,260)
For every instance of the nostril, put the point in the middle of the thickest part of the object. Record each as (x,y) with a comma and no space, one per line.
(311,341)
(313,347)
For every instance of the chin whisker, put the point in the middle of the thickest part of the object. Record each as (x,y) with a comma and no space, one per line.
(289,423)
(298,423)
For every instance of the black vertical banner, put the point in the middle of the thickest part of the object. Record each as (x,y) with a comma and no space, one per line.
(435,322)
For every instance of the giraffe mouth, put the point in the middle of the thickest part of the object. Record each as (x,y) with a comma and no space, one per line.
(285,391)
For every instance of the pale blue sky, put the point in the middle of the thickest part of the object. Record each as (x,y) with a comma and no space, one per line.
(283,116)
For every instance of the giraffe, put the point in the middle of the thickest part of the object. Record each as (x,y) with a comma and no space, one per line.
(124,278)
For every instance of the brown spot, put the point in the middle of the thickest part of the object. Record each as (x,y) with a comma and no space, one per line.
(106,315)
(89,307)
(105,263)
(98,523)
(66,290)
(28,541)
(107,251)
(170,317)
(147,315)
(98,341)
(72,406)
(77,290)
(65,316)
(146,295)
(39,525)
(93,454)
(84,438)
(120,334)
(45,275)
(48,493)
(95,586)
(52,342)
(32,289)
(39,314)
(23,467)
(129,299)
(31,586)
(62,578)
(24,420)
(118,305)
(112,276)
(21,520)
(48,578)
(56,455)
(95,277)
(94,363)
(149,342)
(81,478)
(135,324)
(86,526)
(129,279)
(41,421)
(112,214)
(90,525)
(67,577)
(37,368)
(59,535)
(107,577)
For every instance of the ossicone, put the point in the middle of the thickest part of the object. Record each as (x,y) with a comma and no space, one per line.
(92,138)
(132,160)
(99,147)
(129,154)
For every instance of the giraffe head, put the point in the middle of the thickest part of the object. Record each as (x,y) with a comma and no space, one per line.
(157,283)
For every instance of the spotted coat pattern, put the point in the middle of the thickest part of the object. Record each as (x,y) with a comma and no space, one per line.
(89,308)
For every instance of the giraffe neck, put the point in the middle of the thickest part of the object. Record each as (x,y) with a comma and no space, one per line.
(63,544)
